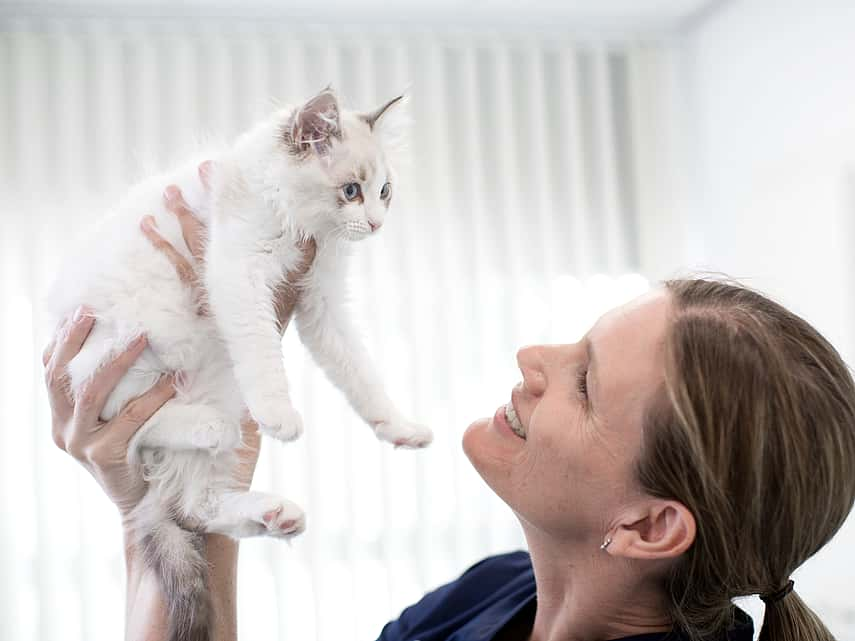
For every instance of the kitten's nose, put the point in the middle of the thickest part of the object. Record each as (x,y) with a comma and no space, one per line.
(374,226)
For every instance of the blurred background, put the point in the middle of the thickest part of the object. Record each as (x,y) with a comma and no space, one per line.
(564,156)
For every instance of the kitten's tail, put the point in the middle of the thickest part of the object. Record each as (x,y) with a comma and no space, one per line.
(177,558)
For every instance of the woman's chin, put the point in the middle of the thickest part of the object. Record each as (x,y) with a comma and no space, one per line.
(472,436)
(489,449)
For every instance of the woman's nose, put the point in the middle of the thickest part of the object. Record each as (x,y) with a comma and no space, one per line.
(530,361)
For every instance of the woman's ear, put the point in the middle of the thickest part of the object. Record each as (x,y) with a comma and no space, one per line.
(660,530)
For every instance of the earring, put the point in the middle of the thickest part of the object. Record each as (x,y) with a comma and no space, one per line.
(606,543)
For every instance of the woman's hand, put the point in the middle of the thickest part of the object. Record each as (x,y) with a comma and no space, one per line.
(101,447)
(285,297)
(194,232)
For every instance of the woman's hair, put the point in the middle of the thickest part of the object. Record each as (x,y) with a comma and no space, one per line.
(754,432)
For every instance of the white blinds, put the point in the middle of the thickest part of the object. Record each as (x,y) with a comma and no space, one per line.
(519,190)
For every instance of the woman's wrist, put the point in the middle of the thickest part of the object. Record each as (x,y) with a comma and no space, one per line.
(222,555)
(145,611)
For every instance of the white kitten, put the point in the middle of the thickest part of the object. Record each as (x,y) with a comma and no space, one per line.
(312,171)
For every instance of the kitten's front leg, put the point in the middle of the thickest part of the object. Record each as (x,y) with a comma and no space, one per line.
(326,331)
(239,279)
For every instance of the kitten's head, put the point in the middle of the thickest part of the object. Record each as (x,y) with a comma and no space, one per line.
(343,181)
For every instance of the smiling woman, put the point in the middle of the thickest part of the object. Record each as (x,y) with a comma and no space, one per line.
(707,413)
(570,479)
(555,142)
(696,414)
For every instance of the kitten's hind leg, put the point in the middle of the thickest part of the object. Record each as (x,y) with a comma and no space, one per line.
(242,514)
(184,426)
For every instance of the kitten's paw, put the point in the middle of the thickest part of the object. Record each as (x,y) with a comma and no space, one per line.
(403,434)
(216,436)
(284,519)
(278,419)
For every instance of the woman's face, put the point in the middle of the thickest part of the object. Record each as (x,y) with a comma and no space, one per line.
(581,408)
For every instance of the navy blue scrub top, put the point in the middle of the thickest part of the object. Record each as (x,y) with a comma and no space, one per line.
(486,598)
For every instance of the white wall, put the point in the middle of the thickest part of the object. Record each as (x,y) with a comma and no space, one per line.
(771,137)
(773,113)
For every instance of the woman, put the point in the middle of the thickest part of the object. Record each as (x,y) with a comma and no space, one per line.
(697,445)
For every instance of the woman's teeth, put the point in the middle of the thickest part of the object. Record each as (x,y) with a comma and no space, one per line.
(514,421)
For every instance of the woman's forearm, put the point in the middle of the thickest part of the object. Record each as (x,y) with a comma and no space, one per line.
(146,612)
(222,554)
(145,609)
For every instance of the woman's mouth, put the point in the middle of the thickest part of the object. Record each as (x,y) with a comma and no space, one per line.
(514,420)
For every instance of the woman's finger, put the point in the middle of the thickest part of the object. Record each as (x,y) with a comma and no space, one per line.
(48,350)
(71,338)
(309,249)
(250,436)
(68,343)
(247,454)
(191,228)
(284,301)
(140,409)
(182,266)
(58,384)
(285,295)
(47,354)
(95,392)
(205,170)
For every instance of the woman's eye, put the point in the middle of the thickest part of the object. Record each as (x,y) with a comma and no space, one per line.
(386,191)
(351,191)
(582,383)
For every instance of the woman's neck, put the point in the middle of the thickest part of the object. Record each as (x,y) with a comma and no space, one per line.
(586,595)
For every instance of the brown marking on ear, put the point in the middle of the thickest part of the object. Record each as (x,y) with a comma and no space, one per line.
(374,116)
(311,126)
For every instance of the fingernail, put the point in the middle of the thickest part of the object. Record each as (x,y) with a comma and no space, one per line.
(82,313)
(149,222)
(171,193)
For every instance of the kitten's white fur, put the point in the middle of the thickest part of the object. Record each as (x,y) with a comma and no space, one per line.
(280,182)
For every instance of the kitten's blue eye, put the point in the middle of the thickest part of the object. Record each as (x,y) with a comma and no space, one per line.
(352,191)
(386,191)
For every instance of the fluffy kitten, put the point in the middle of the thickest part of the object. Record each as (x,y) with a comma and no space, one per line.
(312,171)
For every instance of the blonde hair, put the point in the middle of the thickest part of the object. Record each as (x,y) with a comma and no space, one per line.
(754,432)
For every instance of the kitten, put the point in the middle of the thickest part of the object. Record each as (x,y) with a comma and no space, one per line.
(308,172)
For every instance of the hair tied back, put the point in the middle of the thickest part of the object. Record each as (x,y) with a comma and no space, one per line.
(774,597)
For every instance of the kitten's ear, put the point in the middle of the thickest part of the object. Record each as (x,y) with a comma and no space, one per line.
(314,125)
(373,118)
(390,120)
